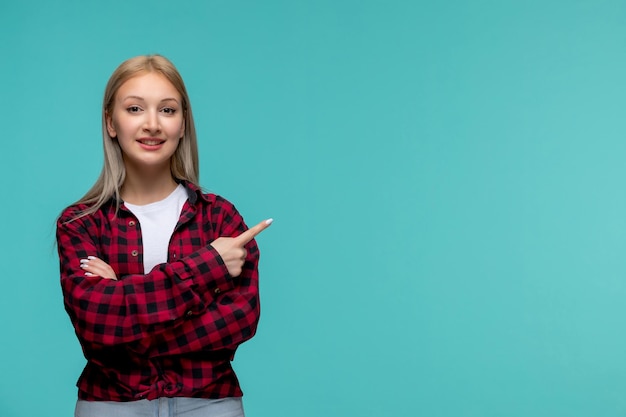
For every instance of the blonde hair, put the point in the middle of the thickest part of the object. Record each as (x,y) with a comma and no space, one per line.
(184,162)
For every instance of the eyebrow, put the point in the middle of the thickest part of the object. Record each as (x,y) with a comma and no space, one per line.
(142,99)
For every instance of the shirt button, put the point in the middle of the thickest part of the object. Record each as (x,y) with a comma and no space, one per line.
(131,223)
(134,253)
(217,291)
(189,313)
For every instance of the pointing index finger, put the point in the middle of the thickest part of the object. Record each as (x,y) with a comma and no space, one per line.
(251,233)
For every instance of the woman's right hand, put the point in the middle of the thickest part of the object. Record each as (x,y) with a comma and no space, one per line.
(96,267)
(232,250)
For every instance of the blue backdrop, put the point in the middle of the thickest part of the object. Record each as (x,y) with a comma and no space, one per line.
(446,179)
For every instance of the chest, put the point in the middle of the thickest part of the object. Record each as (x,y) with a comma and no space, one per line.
(122,239)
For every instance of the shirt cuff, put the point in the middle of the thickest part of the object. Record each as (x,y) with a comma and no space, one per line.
(206,268)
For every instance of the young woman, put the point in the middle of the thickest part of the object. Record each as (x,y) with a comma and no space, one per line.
(159,279)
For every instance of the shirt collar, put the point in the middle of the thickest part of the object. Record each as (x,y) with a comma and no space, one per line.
(193,192)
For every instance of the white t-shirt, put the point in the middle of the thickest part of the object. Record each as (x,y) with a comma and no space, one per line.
(158,221)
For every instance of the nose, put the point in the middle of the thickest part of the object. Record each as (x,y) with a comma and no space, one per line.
(151,123)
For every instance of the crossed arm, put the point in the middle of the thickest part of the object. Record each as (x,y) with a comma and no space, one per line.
(231,250)
(195,299)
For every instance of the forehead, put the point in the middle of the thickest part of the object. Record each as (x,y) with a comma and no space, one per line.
(148,85)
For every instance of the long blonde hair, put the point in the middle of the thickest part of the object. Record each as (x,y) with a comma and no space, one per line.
(184,162)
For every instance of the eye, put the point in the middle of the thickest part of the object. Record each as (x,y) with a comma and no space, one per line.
(133,109)
(168,110)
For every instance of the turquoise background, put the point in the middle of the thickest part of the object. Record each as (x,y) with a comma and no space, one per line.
(447,180)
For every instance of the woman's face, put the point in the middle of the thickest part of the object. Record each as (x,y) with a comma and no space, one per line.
(148,121)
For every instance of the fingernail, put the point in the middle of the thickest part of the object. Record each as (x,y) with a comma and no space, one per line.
(84,261)
(91,257)
(269,221)
(88,274)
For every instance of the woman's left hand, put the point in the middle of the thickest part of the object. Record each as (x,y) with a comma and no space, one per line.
(96,267)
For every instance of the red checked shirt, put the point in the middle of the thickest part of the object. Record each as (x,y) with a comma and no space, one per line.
(173,331)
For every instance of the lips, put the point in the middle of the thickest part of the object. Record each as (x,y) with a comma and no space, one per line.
(150,141)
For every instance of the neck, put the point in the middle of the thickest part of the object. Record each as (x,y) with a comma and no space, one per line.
(147,187)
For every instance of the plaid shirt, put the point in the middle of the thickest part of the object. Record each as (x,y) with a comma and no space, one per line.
(171,332)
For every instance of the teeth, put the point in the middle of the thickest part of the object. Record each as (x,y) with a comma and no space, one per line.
(151,142)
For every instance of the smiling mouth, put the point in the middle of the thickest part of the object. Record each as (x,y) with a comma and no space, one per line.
(151,142)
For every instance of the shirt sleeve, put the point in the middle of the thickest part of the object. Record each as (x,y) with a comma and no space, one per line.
(109,312)
(230,318)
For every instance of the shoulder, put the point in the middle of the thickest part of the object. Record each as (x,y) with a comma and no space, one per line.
(72,222)
(81,213)
(71,213)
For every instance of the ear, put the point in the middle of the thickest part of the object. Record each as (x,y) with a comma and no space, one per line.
(182,130)
(110,128)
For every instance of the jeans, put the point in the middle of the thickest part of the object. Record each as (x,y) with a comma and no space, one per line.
(162,407)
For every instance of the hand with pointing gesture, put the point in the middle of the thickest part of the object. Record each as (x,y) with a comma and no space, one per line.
(232,250)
